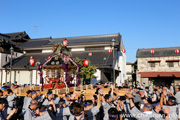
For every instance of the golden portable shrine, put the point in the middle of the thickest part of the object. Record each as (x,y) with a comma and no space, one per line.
(60,70)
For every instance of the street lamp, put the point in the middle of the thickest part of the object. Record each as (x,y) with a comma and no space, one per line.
(11,51)
(113,45)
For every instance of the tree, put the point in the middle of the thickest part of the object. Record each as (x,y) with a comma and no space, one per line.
(87,73)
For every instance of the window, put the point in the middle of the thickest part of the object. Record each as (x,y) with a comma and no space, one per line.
(171,64)
(152,64)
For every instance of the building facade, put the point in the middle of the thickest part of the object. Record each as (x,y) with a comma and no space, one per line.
(129,72)
(158,66)
(25,47)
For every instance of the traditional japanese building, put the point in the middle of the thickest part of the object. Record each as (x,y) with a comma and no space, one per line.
(100,47)
(158,65)
(130,71)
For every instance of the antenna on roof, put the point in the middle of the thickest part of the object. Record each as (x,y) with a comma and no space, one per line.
(36,27)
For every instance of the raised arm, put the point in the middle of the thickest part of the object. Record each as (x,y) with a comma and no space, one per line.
(53,105)
(130,100)
(98,101)
(161,100)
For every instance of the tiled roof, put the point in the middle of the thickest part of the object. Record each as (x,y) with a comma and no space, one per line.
(23,61)
(12,38)
(32,43)
(87,39)
(158,52)
(18,35)
(160,74)
(98,58)
(24,40)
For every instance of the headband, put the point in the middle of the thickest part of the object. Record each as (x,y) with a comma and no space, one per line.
(108,97)
(148,106)
(33,103)
(156,104)
(42,110)
(49,93)
(88,104)
(172,100)
(113,116)
(61,103)
(33,93)
(68,96)
(78,113)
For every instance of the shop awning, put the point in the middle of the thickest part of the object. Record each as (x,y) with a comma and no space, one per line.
(159,74)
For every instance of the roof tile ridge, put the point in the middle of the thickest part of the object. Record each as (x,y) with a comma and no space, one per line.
(90,36)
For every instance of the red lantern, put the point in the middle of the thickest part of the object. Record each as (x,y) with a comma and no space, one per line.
(152,51)
(90,54)
(86,62)
(65,43)
(110,50)
(49,57)
(61,79)
(176,51)
(124,50)
(32,61)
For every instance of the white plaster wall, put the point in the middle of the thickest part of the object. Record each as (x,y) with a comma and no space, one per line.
(98,77)
(107,48)
(78,49)
(18,77)
(3,58)
(38,77)
(34,77)
(47,51)
(24,77)
(129,68)
(122,64)
(12,76)
(4,76)
(128,77)
(118,80)
(18,54)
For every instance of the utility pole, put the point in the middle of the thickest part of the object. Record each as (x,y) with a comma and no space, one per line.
(11,51)
(113,45)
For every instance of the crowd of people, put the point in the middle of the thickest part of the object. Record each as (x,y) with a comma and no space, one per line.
(139,103)
(8,85)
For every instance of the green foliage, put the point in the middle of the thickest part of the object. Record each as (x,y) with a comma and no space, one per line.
(86,72)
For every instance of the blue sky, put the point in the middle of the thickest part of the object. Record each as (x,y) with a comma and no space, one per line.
(142,23)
